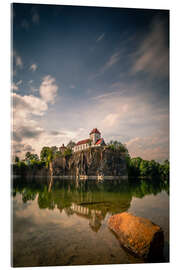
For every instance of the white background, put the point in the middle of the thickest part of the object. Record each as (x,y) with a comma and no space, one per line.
(5,118)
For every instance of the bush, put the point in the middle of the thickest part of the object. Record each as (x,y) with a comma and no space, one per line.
(67,152)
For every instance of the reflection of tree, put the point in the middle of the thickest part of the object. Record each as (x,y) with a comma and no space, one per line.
(140,188)
(89,199)
(28,195)
(45,200)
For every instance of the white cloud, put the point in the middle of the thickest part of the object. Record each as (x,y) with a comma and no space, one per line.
(152,56)
(100,37)
(27,112)
(48,89)
(149,147)
(33,89)
(19,82)
(25,128)
(27,105)
(112,60)
(105,95)
(14,87)
(129,119)
(33,67)
(18,60)
(110,119)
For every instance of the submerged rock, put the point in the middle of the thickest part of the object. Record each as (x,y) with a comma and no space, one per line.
(139,235)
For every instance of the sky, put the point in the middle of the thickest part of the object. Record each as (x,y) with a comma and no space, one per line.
(79,68)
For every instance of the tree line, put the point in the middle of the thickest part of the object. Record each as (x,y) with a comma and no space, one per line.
(137,167)
(47,154)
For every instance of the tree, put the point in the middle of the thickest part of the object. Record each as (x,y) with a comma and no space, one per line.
(54,149)
(44,153)
(46,150)
(164,169)
(134,166)
(153,168)
(49,158)
(71,144)
(16,159)
(58,154)
(29,156)
(115,145)
(67,152)
(144,168)
(139,167)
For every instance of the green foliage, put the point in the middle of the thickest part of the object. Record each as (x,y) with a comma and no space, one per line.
(54,149)
(16,159)
(67,152)
(134,166)
(21,164)
(71,144)
(44,153)
(145,168)
(29,156)
(90,142)
(37,164)
(28,195)
(164,169)
(64,193)
(115,145)
(47,154)
(19,167)
(58,154)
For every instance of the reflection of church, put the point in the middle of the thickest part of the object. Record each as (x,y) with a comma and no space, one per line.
(88,199)
(95,216)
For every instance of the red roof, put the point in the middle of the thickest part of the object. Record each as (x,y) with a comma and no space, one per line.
(99,141)
(95,130)
(83,142)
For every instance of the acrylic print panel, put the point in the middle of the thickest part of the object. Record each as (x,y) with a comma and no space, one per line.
(90,159)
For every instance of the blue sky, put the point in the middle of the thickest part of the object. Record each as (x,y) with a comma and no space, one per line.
(76,68)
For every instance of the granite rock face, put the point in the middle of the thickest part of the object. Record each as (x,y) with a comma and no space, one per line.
(138,235)
(94,161)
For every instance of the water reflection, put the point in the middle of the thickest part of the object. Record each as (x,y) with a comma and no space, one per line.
(87,199)
(66,224)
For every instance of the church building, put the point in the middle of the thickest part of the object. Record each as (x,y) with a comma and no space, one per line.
(94,140)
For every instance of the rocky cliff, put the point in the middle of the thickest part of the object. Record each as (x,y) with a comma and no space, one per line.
(92,162)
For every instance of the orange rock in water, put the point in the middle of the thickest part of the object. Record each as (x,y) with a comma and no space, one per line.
(138,235)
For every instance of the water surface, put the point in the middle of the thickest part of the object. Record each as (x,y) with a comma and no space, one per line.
(68,225)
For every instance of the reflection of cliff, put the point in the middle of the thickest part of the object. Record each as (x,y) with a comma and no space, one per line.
(89,199)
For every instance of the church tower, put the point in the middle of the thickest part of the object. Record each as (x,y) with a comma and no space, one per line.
(95,135)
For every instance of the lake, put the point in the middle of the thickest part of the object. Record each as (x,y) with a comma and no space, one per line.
(67,225)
